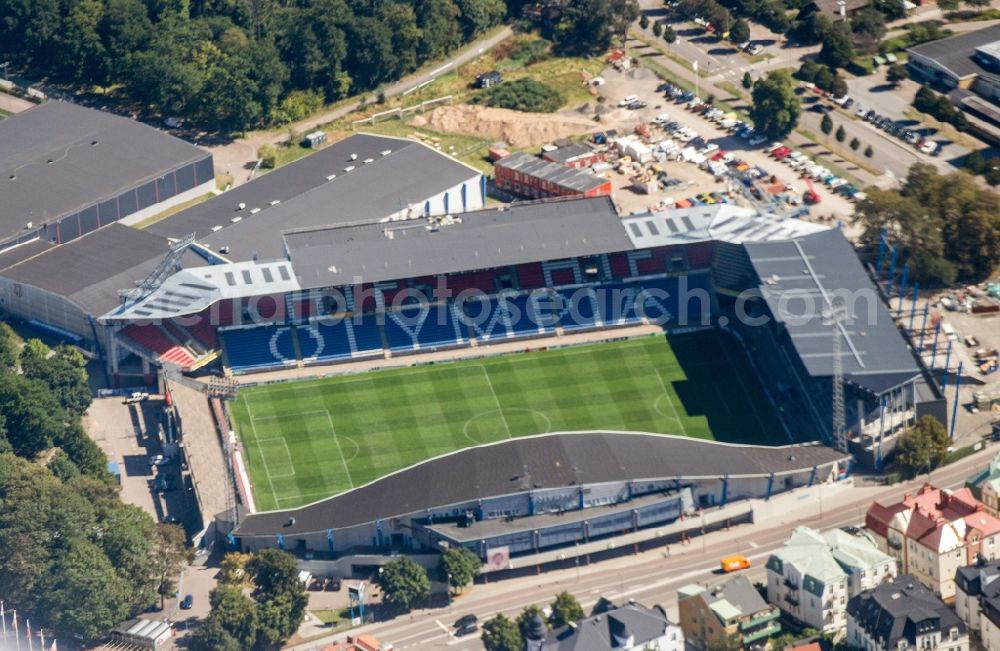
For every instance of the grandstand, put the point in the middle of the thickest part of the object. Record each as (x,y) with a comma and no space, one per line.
(379,252)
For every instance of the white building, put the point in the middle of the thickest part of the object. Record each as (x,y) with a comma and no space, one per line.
(814,574)
(623,628)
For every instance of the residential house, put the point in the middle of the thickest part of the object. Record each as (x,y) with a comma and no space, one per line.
(903,615)
(986,486)
(618,628)
(933,532)
(730,609)
(814,574)
(977,600)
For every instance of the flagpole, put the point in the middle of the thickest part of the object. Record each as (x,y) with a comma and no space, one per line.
(27,624)
(41,634)
(3,620)
(17,633)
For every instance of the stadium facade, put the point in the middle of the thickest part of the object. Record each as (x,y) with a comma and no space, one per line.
(379,248)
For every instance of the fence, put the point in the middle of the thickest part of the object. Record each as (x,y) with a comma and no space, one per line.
(401,112)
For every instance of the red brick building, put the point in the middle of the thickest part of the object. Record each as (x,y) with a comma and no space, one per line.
(531,177)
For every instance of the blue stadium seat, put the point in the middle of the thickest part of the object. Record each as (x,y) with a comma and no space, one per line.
(367,337)
(616,303)
(507,316)
(334,338)
(421,328)
(309,341)
(579,308)
(259,347)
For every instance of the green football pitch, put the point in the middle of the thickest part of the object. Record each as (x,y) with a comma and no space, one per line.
(307,440)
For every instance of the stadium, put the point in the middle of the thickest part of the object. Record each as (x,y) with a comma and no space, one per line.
(410,367)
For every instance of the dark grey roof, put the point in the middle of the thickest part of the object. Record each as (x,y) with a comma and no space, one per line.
(568,153)
(955,53)
(410,172)
(22,252)
(970,579)
(892,611)
(832,8)
(127,154)
(475,240)
(599,633)
(90,270)
(799,276)
(551,460)
(567,177)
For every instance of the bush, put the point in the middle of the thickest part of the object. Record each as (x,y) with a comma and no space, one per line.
(869,152)
(521,95)
(268,156)
(938,106)
(297,105)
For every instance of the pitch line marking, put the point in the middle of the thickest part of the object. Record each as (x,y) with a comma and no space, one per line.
(333,429)
(465,428)
(670,400)
(288,452)
(496,400)
(263,457)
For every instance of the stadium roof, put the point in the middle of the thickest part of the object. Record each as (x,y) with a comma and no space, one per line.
(567,177)
(191,290)
(481,239)
(537,462)
(800,279)
(388,175)
(92,269)
(956,53)
(722,221)
(65,157)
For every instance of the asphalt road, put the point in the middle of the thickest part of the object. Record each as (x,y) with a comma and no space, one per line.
(651,577)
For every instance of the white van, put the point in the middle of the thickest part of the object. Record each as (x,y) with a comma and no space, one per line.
(628,100)
(949,331)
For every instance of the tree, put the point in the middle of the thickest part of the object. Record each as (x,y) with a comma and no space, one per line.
(838,48)
(502,634)
(841,134)
(170,553)
(33,418)
(896,73)
(478,16)
(84,452)
(233,569)
(565,609)
(212,636)
(658,29)
(528,619)
(948,5)
(236,614)
(669,35)
(63,467)
(740,31)
(279,592)
(978,4)
(826,124)
(9,345)
(525,94)
(923,447)
(403,583)
(747,80)
(589,26)
(869,151)
(854,144)
(64,373)
(838,87)
(975,162)
(776,107)
(868,27)
(643,21)
(458,567)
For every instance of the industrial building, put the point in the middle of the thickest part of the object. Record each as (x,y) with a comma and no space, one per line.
(68,170)
(528,176)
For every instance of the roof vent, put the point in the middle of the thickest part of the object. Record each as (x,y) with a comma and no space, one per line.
(240,206)
(275,202)
(49,161)
(93,143)
(331,177)
(216,228)
(29,224)
(369,160)
(348,168)
(354,157)
(386,152)
(254,211)
(332,269)
(224,249)
(237,219)
(12,177)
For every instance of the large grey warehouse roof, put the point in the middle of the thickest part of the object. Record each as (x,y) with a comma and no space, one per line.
(90,270)
(65,157)
(955,53)
(300,195)
(475,240)
(799,280)
(549,460)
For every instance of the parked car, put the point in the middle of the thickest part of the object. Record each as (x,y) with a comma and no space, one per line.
(755,49)
(465,620)
(861,112)
(757,140)
(187,602)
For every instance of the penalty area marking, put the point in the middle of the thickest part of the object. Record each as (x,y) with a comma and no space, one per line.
(669,400)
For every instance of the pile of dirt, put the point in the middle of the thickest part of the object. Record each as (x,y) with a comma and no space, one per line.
(514,127)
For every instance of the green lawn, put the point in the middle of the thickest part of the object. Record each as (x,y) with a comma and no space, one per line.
(311,439)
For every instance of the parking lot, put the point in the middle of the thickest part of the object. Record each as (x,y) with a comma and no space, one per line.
(644,85)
